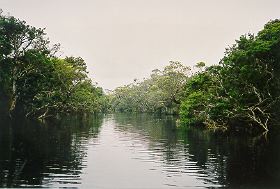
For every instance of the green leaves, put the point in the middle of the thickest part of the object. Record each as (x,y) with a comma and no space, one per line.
(37,83)
(162,92)
(244,87)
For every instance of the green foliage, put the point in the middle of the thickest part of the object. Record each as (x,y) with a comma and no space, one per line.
(243,88)
(162,92)
(35,82)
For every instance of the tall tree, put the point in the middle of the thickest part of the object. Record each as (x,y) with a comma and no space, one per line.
(16,38)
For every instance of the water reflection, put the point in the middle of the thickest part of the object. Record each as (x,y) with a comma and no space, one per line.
(216,159)
(44,154)
(169,149)
(133,151)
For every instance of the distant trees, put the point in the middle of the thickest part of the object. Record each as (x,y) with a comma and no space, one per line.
(36,83)
(242,90)
(161,92)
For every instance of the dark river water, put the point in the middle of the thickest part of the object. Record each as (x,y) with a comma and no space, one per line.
(133,151)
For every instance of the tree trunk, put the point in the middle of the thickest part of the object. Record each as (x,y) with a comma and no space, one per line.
(13,100)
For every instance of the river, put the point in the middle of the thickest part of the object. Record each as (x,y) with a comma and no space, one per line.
(133,151)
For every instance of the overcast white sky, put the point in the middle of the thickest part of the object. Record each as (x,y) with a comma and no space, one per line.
(126,39)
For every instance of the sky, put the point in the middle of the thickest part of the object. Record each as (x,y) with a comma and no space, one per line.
(121,40)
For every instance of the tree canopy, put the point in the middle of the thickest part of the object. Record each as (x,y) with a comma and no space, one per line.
(243,88)
(161,92)
(36,83)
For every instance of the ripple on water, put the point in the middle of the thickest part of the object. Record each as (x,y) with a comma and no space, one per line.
(128,151)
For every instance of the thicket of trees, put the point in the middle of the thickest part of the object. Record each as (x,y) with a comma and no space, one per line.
(162,92)
(36,83)
(242,90)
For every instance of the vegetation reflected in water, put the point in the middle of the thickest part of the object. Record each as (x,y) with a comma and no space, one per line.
(218,159)
(37,154)
(79,152)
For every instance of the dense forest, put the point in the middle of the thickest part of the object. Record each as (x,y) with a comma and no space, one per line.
(162,92)
(243,89)
(34,82)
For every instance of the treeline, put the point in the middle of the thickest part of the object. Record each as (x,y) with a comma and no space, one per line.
(162,92)
(35,82)
(243,89)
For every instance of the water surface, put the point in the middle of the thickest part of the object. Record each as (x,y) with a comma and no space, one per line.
(133,151)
